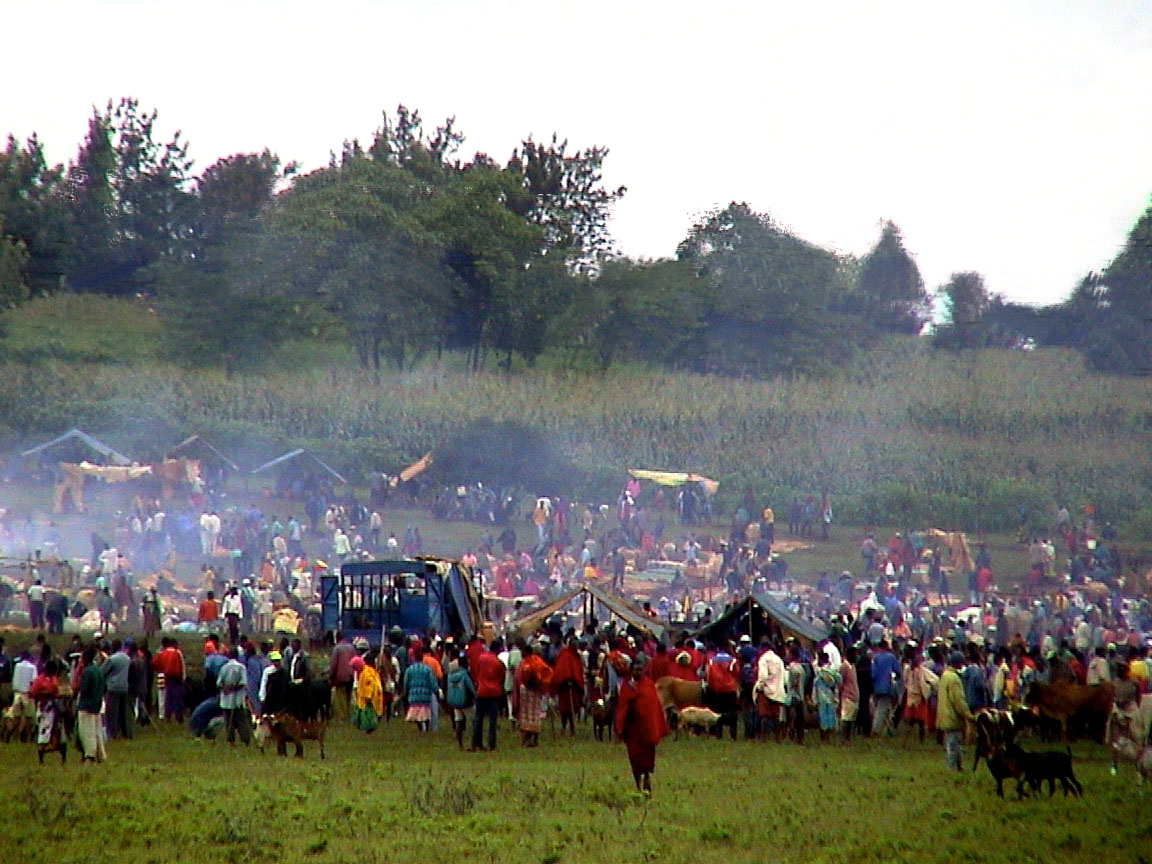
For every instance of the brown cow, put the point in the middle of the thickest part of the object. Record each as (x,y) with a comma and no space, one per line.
(678,693)
(1062,702)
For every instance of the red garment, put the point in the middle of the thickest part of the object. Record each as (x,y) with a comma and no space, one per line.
(170,662)
(488,674)
(568,668)
(662,666)
(568,680)
(535,673)
(721,675)
(685,672)
(640,722)
(44,688)
(473,651)
(208,612)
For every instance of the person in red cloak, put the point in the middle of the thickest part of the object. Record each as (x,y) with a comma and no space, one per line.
(568,684)
(640,724)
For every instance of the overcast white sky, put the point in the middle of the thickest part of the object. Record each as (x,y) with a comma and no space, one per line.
(1012,138)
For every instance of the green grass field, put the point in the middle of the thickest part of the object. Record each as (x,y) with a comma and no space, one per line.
(401,796)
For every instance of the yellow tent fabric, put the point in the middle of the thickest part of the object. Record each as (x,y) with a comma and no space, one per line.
(675,478)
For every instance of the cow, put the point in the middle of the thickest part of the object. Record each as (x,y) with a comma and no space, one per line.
(283,728)
(1062,702)
(994,730)
(676,694)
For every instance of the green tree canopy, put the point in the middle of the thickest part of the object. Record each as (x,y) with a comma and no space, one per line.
(891,287)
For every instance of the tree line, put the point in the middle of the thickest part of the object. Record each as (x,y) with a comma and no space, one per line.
(401,248)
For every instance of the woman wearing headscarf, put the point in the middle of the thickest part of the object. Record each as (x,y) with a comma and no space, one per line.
(369,696)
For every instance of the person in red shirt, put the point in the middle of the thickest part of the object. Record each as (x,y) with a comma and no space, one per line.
(169,662)
(640,724)
(488,674)
(662,664)
(568,684)
(209,610)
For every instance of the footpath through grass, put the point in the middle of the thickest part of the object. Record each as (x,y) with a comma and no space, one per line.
(398,796)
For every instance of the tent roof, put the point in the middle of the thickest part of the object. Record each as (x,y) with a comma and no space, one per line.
(95,443)
(300,451)
(195,441)
(618,607)
(791,623)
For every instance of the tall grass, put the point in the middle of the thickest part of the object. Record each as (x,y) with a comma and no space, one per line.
(974,435)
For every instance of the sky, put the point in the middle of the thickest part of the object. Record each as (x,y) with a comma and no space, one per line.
(1010,138)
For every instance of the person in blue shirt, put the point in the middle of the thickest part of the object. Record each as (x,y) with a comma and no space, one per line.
(885,674)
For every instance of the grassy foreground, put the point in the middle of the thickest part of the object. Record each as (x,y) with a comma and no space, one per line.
(399,796)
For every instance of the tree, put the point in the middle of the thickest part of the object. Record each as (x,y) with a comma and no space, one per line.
(648,311)
(13,268)
(129,200)
(966,302)
(1108,316)
(233,193)
(769,304)
(564,196)
(891,286)
(34,216)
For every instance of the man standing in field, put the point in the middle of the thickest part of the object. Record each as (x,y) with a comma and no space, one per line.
(640,724)
(232,682)
(89,702)
(952,711)
(885,674)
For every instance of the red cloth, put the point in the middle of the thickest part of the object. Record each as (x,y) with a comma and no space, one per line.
(208,612)
(474,649)
(170,662)
(640,722)
(488,674)
(44,688)
(535,673)
(662,666)
(568,668)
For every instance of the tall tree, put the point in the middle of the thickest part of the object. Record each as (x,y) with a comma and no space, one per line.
(647,311)
(129,199)
(966,301)
(891,285)
(565,197)
(770,296)
(34,215)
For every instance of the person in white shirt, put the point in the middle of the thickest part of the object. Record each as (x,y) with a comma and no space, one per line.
(23,708)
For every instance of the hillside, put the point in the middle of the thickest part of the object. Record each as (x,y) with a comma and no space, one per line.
(910,434)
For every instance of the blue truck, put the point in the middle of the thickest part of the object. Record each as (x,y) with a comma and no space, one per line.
(369,599)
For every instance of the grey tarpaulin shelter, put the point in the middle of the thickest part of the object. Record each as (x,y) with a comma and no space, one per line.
(299,453)
(190,447)
(96,444)
(527,623)
(757,615)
